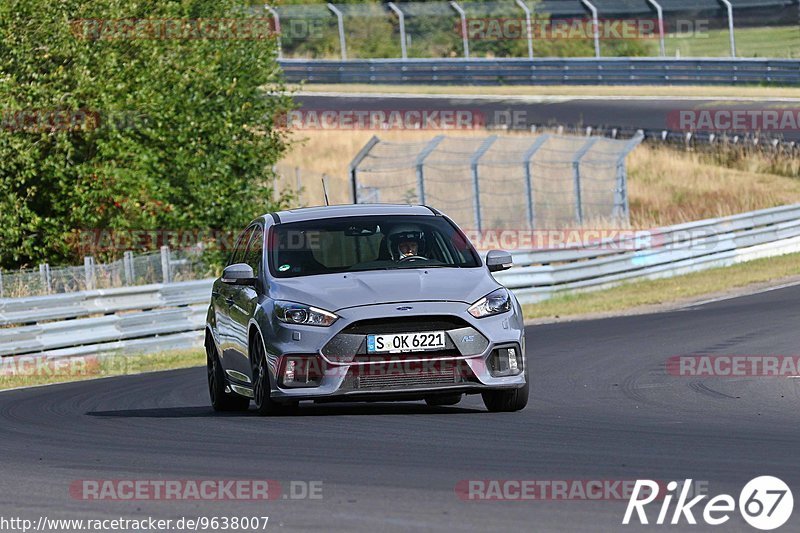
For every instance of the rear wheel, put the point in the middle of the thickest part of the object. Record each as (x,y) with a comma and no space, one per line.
(265,405)
(221,400)
(449,399)
(506,400)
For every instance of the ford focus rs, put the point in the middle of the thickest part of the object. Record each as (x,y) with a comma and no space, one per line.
(362,302)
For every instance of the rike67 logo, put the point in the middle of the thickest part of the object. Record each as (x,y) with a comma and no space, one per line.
(765,503)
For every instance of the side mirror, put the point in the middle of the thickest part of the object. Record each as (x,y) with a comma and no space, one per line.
(238,274)
(497,260)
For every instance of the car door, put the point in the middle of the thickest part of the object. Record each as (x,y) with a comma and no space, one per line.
(223,300)
(245,301)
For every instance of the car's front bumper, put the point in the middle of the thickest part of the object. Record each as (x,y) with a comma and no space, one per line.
(352,374)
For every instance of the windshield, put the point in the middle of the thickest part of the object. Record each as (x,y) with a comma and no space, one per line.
(355,244)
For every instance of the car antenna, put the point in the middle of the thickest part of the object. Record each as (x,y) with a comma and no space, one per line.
(325,188)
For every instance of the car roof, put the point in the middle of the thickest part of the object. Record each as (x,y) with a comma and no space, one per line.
(333,211)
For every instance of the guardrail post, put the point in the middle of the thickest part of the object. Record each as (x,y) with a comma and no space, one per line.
(476,187)
(274,12)
(353,168)
(402,18)
(340,19)
(595,26)
(420,164)
(576,172)
(729,7)
(526,159)
(528,28)
(88,272)
(2,292)
(660,13)
(464,33)
(165,265)
(127,264)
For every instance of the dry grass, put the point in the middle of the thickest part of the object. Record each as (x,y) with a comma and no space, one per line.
(666,186)
(567,90)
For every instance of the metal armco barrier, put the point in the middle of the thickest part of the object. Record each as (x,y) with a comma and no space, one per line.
(166,316)
(569,71)
(661,252)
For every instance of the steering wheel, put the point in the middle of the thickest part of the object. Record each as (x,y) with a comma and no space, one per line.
(412,258)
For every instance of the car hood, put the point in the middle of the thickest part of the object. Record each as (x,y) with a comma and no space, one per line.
(338,291)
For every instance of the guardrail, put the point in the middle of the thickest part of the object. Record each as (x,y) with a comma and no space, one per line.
(569,71)
(166,316)
(661,252)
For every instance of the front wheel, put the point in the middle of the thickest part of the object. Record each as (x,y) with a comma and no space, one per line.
(498,401)
(221,400)
(265,405)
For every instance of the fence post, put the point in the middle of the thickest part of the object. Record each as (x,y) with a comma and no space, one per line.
(127,264)
(528,28)
(476,188)
(402,18)
(2,292)
(576,173)
(660,13)
(464,32)
(340,20)
(729,7)
(88,272)
(526,160)
(420,164)
(272,11)
(165,264)
(353,168)
(621,190)
(595,26)
(46,279)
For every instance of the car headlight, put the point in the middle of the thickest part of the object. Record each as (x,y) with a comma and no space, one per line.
(294,313)
(494,303)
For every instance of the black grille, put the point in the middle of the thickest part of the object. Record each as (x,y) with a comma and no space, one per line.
(405,324)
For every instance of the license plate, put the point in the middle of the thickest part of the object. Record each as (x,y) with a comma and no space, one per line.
(406,342)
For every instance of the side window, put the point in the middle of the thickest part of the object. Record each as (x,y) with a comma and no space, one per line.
(255,250)
(241,245)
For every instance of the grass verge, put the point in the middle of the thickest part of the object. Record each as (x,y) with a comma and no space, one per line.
(666,291)
(41,370)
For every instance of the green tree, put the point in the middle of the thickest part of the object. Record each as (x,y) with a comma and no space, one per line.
(176,133)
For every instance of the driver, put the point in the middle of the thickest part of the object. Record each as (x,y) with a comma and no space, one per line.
(406,241)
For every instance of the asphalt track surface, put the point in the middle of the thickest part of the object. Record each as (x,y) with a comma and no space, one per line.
(654,114)
(603,408)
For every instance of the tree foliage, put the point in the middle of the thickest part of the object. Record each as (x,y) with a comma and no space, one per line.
(172,133)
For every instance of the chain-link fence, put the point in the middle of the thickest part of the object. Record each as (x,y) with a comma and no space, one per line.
(164,266)
(501,182)
(540,28)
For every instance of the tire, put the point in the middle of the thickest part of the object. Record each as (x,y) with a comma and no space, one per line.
(498,401)
(221,401)
(265,405)
(450,399)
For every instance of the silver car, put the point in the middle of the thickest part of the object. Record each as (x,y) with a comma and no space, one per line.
(362,303)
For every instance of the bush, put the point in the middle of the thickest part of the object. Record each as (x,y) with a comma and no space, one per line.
(129,133)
